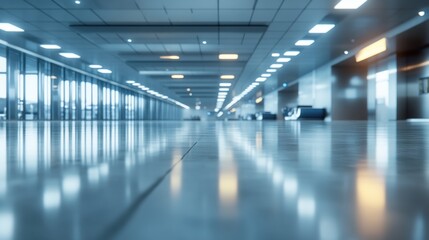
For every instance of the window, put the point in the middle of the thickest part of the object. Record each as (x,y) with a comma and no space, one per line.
(3,84)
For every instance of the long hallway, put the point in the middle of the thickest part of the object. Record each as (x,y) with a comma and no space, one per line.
(214,180)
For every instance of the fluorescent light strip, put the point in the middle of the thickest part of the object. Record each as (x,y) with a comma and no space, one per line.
(283,60)
(261,79)
(322,28)
(130,81)
(350,4)
(173,57)
(95,66)
(105,71)
(266,75)
(7,27)
(177,76)
(227,77)
(304,42)
(225,84)
(276,66)
(228,56)
(291,53)
(271,70)
(275,55)
(372,50)
(69,55)
(223,89)
(50,46)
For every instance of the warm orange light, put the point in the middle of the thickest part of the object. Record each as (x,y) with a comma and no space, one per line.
(415,66)
(372,50)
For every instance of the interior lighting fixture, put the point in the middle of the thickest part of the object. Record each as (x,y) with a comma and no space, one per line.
(130,82)
(283,60)
(77,2)
(50,46)
(259,99)
(276,66)
(305,42)
(228,56)
(372,50)
(225,84)
(422,13)
(346,52)
(261,79)
(350,4)
(266,75)
(275,55)
(271,70)
(172,57)
(227,77)
(69,55)
(204,42)
(7,27)
(291,53)
(129,40)
(177,76)
(105,71)
(322,28)
(223,89)
(95,66)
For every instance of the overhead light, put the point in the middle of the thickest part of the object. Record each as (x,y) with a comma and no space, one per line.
(135,84)
(50,46)
(177,76)
(346,52)
(190,94)
(291,53)
(276,66)
(228,56)
(255,84)
(222,94)
(322,28)
(422,13)
(261,79)
(95,66)
(7,27)
(275,55)
(225,84)
(188,89)
(69,55)
(259,99)
(204,42)
(130,81)
(77,2)
(271,70)
(283,60)
(173,57)
(372,50)
(304,42)
(223,89)
(129,40)
(349,4)
(221,98)
(106,71)
(227,77)
(266,75)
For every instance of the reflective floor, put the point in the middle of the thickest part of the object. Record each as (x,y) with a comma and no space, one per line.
(207,180)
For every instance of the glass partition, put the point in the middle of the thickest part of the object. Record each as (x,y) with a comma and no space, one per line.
(31,87)
(3,83)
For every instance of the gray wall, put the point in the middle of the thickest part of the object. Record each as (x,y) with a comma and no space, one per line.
(349,93)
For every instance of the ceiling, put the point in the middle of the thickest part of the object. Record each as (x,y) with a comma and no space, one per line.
(98,30)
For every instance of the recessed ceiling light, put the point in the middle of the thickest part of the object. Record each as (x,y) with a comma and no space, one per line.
(69,55)
(77,2)
(346,52)
(204,42)
(275,55)
(261,79)
(106,71)
(291,53)
(271,70)
(177,76)
(227,77)
(228,56)
(129,40)
(188,89)
(130,81)
(322,28)
(255,84)
(95,66)
(172,57)
(266,75)
(224,84)
(422,13)
(304,42)
(190,94)
(349,4)
(276,66)
(7,27)
(223,89)
(50,46)
(283,60)
(135,84)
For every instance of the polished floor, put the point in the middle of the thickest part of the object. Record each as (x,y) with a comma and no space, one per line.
(214,180)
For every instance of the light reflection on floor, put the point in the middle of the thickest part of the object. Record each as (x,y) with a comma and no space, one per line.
(234,180)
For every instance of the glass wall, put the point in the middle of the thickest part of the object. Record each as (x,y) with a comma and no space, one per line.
(3,83)
(35,89)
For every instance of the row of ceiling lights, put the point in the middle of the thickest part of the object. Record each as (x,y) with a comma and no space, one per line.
(155,93)
(287,56)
